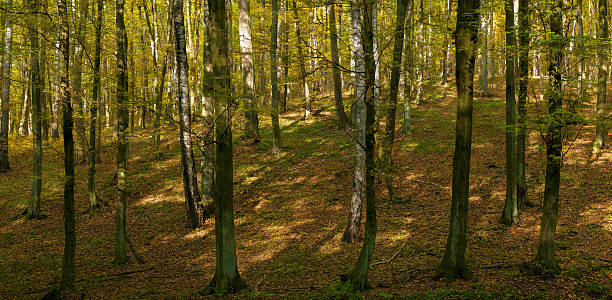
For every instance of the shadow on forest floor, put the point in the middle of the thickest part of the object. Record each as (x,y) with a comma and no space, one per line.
(290,212)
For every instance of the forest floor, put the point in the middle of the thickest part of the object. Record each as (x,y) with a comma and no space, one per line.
(290,212)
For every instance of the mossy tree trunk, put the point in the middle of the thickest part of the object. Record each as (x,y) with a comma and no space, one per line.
(93,109)
(454,264)
(396,66)
(510,212)
(603,104)
(123,118)
(523,79)
(545,258)
(227,277)
(333,42)
(276,138)
(36,93)
(248,73)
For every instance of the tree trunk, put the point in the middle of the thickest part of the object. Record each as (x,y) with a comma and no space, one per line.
(6,92)
(226,278)
(123,118)
(408,69)
(603,110)
(301,62)
(24,127)
(359,276)
(193,201)
(483,78)
(545,257)
(333,42)
(445,44)
(510,212)
(35,87)
(581,55)
(285,60)
(93,111)
(55,104)
(251,130)
(208,112)
(396,66)
(521,192)
(453,263)
(68,266)
(276,138)
(352,232)
(77,91)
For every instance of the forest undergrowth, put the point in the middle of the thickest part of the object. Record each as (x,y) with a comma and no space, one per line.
(290,212)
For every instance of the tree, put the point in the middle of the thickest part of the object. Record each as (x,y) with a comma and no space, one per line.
(248,75)
(276,138)
(352,232)
(483,78)
(545,258)
(123,118)
(302,64)
(453,263)
(33,210)
(510,212)
(193,201)
(93,110)
(68,272)
(80,13)
(402,6)
(7,37)
(226,278)
(358,278)
(601,130)
(408,69)
(523,78)
(333,42)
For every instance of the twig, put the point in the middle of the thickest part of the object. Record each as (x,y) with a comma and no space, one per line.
(430,183)
(392,257)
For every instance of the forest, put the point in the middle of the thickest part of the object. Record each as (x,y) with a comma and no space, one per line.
(305,149)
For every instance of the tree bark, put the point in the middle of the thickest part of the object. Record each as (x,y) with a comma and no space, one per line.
(408,69)
(80,12)
(521,192)
(453,263)
(333,42)
(301,62)
(402,6)
(193,201)
(248,75)
(226,278)
(6,92)
(510,212)
(545,257)
(352,233)
(68,266)
(603,109)
(36,93)
(483,78)
(276,138)
(359,276)
(123,118)
(93,110)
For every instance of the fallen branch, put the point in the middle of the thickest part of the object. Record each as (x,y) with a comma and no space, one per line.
(430,183)
(131,244)
(390,259)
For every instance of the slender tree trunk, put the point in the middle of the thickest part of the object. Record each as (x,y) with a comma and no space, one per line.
(545,257)
(6,92)
(93,110)
(248,75)
(276,138)
(521,193)
(359,277)
(285,59)
(55,104)
(333,42)
(510,212)
(193,200)
(445,44)
(301,62)
(483,78)
(226,278)
(453,263)
(123,118)
(603,109)
(208,113)
(77,91)
(408,69)
(24,127)
(580,49)
(396,67)
(68,266)
(35,87)
(352,233)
